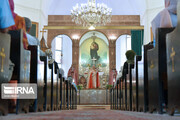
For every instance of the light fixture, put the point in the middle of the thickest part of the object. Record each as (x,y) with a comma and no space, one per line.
(75,37)
(91,14)
(112,37)
(91,27)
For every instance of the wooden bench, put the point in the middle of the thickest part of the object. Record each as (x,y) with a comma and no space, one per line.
(47,87)
(145,79)
(54,86)
(37,76)
(5,72)
(157,72)
(21,58)
(63,94)
(135,84)
(173,67)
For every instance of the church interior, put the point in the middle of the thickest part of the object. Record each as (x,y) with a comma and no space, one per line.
(89,59)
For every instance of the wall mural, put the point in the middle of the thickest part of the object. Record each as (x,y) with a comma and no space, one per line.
(94,51)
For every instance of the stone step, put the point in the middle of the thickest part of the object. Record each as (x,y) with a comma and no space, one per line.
(93,107)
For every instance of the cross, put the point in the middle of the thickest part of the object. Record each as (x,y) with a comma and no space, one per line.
(173,53)
(43,31)
(151,67)
(94,60)
(3,55)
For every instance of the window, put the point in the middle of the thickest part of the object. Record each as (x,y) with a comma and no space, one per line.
(123,44)
(58,50)
(128,44)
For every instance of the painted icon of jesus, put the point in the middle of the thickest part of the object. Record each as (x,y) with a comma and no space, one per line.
(93,50)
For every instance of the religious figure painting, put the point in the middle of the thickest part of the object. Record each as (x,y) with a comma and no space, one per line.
(94,52)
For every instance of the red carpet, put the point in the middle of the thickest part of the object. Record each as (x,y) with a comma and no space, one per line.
(89,115)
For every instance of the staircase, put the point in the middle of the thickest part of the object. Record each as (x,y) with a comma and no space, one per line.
(93,107)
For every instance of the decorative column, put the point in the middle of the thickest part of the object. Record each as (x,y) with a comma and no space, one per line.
(112,54)
(75,55)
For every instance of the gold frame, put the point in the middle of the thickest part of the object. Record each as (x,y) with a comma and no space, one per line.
(37,28)
(151,34)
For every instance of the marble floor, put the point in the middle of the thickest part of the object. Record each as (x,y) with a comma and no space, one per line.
(89,115)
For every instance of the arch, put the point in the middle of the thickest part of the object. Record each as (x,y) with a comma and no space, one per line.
(66,52)
(126,33)
(93,31)
(55,35)
(121,48)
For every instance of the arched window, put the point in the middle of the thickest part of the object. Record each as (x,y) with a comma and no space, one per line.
(62,52)
(57,49)
(123,44)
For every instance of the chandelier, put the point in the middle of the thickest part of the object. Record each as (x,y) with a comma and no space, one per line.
(91,14)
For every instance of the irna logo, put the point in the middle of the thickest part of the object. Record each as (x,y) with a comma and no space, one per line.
(20,91)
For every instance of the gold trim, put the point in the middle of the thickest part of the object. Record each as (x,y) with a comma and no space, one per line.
(2,55)
(172,55)
(37,28)
(97,28)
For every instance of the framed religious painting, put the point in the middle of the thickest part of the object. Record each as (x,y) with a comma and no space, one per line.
(34,29)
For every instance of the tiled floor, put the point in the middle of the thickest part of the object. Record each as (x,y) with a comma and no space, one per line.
(89,115)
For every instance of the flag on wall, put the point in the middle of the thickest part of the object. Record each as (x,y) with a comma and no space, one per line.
(137,37)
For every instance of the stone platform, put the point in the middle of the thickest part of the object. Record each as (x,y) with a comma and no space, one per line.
(94,97)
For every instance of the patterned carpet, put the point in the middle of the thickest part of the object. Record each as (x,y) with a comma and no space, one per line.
(89,115)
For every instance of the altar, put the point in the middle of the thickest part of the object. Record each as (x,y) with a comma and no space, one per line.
(103,77)
(94,97)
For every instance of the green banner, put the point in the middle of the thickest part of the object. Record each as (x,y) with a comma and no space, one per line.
(137,37)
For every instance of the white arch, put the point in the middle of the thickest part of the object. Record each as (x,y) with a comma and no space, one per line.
(122,45)
(66,51)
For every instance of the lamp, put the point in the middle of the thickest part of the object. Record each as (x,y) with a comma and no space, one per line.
(75,37)
(91,14)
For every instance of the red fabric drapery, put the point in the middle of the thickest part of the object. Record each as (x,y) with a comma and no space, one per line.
(90,81)
(97,81)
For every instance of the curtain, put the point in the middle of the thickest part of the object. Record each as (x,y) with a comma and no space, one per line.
(137,41)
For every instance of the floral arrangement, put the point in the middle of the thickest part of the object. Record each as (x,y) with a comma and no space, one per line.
(99,65)
(108,86)
(89,65)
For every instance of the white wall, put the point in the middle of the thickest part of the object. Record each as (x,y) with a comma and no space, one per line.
(153,8)
(35,10)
